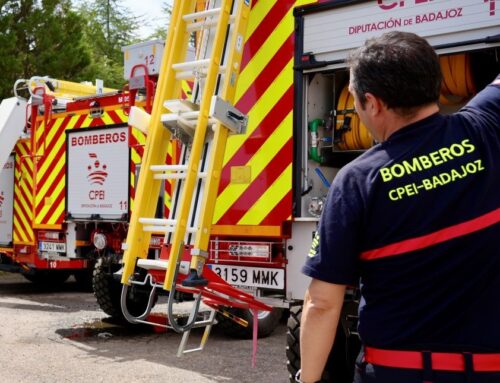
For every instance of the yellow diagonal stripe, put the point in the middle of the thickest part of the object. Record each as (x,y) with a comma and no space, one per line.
(56,169)
(48,163)
(41,218)
(261,108)
(271,197)
(257,14)
(107,119)
(262,57)
(52,220)
(72,122)
(258,163)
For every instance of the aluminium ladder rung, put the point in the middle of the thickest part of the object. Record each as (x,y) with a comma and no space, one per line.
(188,118)
(167,168)
(186,75)
(204,63)
(157,221)
(161,264)
(176,176)
(162,225)
(202,14)
(205,24)
(174,169)
(167,229)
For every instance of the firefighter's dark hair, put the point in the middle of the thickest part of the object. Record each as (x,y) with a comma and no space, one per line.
(400,68)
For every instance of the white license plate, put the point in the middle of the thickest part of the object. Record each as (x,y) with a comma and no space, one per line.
(252,276)
(56,247)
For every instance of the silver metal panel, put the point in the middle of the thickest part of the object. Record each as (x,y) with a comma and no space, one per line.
(298,246)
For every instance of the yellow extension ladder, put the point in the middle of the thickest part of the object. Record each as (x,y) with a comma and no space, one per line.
(203,126)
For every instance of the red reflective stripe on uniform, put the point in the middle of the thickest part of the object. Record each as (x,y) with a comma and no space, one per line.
(445,361)
(439,236)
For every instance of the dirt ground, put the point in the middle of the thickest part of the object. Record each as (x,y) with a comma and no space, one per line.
(60,335)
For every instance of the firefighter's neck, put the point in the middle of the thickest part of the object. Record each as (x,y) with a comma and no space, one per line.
(386,121)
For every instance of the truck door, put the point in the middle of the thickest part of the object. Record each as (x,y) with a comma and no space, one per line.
(98,176)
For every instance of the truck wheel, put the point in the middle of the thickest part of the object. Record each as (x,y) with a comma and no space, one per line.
(108,290)
(268,321)
(84,279)
(340,365)
(47,277)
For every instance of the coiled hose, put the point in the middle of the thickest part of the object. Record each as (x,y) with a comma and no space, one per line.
(352,132)
(457,85)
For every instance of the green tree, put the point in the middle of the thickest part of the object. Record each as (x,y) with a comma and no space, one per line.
(40,37)
(108,27)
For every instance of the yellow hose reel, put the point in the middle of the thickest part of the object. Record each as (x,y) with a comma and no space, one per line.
(457,85)
(352,133)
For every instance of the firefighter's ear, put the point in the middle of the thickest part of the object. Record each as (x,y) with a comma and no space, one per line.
(373,105)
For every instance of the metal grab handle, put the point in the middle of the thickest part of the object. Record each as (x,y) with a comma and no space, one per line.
(123,301)
(234,116)
(170,308)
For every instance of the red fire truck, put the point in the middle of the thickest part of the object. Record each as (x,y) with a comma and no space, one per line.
(70,164)
(301,129)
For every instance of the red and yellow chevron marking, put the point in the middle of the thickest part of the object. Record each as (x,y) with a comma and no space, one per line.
(50,169)
(50,159)
(265,92)
(23,195)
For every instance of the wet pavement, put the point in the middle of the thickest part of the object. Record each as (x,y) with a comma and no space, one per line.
(60,335)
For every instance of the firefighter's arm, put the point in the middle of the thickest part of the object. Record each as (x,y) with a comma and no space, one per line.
(320,317)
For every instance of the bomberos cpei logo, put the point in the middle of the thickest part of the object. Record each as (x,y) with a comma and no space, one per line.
(97,171)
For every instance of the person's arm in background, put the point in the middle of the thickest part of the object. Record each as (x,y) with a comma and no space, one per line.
(320,317)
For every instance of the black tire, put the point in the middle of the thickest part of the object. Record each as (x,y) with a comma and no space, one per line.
(84,279)
(340,365)
(268,321)
(49,278)
(108,290)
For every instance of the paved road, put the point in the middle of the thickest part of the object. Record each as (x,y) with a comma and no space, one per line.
(62,336)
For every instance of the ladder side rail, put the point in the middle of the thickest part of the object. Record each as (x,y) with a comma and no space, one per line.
(197,146)
(157,141)
(220,138)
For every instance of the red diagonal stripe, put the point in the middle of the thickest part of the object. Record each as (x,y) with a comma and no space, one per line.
(280,212)
(50,172)
(21,212)
(268,125)
(52,187)
(52,158)
(432,239)
(266,76)
(114,116)
(50,144)
(27,200)
(265,179)
(79,122)
(54,206)
(265,28)
(97,122)
(17,233)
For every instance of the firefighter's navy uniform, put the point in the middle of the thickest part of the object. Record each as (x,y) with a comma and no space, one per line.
(415,222)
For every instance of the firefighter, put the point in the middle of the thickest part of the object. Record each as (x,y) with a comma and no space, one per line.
(414,222)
